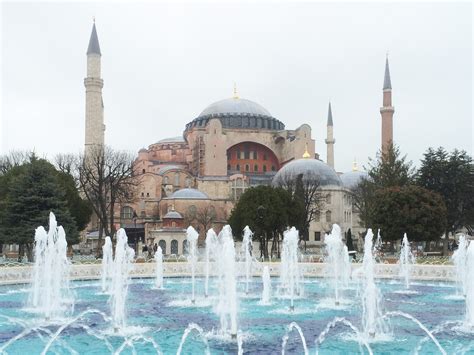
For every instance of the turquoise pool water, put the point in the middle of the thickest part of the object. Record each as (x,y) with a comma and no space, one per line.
(157,320)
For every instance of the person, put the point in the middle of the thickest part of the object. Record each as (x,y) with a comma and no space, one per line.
(155,247)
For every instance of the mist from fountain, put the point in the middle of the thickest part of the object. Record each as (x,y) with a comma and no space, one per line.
(289,269)
(159,268)
(192,237)
(246,245)
(50,294)
(338,267)
(459,259)
(372,322)
(470,285)
(267,286)
(228,304)
(120,279)
(406,261)
(107,264)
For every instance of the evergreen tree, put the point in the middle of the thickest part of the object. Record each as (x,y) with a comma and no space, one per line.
(452,176)
(33,191)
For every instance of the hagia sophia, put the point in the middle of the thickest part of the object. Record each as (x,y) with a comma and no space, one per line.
(232,145)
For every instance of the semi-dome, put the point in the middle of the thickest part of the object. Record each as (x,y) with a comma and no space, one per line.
(237,113)
(189,194)
(311,169)
(352,178)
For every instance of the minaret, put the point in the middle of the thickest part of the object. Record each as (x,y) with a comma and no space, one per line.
(387,111)
(95,127)
(330,140)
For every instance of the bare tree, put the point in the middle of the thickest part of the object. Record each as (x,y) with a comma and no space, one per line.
(106,178)
(205,216)
(306,190)
(13,159)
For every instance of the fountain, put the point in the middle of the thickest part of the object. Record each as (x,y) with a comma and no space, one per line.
(338,266)
(211,243)
(192,237)
(372,322)
(246,245)
(227,306)
(120,278)
(50,294)
(407,259)
(267,286)
(159,268)
(289,274)
(459,259)
(107,264)
(470,285)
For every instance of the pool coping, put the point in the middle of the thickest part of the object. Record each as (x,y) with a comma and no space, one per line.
(22,274)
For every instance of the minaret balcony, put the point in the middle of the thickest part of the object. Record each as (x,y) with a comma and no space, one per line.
(387,109)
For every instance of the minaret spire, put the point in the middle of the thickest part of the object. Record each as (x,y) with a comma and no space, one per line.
(94,132)
(330,140)
(387,110)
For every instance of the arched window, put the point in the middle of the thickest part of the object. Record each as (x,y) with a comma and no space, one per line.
(228,167)
(174,247)
(237,167)
(317,216)
(247,167)
(127,212)
(162,245)
(176,179)
(273,168)
(188,182)
(328,216)
(255,167)
(264,168)
(328,199)
(166,180)
(185,246)
(143,171)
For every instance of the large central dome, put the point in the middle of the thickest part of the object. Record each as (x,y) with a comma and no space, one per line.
(236,106)
(237,113)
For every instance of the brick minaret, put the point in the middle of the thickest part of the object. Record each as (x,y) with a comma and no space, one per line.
(387,111)
(330,140)
(94,132)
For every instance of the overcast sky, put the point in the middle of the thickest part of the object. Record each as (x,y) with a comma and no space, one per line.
(162,64)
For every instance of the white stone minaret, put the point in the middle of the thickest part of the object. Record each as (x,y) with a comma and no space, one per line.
(330,140)
(95,127)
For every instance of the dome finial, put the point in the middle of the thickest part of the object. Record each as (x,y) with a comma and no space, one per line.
(354,165)
(236,95)
(306,155)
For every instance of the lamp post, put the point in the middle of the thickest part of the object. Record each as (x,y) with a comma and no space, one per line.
(260,216)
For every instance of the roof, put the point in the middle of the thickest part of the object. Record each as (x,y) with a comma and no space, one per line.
(167,168)
(329,115)
(93,47)
(311,169)
(173,214)
(189,194)
(387,83)
(177,139)
(237,113)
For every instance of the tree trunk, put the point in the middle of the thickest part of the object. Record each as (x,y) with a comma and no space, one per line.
(445,243)
(29,251)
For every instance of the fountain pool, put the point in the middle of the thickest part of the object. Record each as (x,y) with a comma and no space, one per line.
(157,320)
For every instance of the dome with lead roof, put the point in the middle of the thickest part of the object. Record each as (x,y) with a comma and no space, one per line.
(312,169)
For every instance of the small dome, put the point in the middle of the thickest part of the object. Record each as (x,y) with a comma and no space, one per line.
(189,194)
(352,178)
(143,150)
(173,214)
(310,168)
